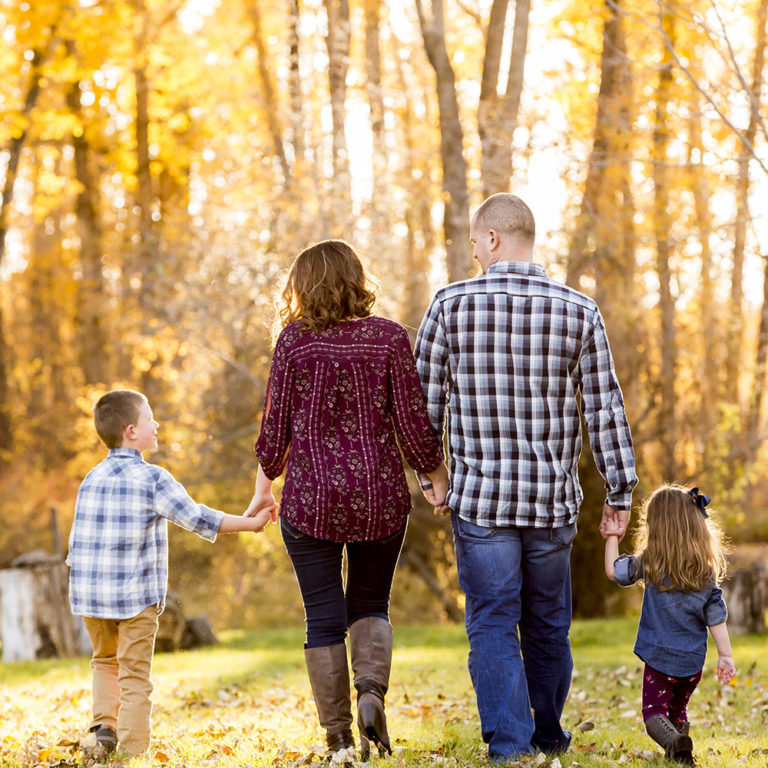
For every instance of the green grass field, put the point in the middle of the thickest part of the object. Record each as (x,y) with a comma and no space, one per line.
(247,702)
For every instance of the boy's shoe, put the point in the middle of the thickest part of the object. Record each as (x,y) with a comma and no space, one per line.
(106,740)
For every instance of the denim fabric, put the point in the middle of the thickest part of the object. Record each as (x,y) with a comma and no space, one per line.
(672,634)
(517,580)
(330,607)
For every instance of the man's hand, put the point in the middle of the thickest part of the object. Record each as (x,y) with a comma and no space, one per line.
(614,522)
(436,492)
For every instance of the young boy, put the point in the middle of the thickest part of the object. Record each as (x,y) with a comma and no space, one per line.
(118,554)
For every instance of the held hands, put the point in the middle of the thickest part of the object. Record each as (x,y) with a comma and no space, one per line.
(262,518)
(614,522)
(726,669)
(263,508)
(437,493)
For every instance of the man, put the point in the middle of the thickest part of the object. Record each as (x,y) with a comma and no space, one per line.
(509,353)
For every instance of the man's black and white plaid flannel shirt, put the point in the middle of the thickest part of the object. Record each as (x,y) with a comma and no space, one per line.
(507,353)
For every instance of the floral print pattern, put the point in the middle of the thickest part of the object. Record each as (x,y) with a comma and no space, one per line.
(341,404)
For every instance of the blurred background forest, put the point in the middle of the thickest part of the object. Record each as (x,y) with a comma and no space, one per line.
(162,163)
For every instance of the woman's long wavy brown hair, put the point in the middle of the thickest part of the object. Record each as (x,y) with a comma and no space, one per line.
(326,283)
(680,548)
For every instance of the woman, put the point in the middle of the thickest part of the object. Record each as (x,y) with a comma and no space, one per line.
(342,391)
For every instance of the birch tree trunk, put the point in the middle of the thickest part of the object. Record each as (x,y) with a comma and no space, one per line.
(662,223)
(497,113)
(373,85)
(337,42)
(455,195)
(736,324)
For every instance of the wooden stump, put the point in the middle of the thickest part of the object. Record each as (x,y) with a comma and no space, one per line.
(35,617)
(746,595)
(177,632)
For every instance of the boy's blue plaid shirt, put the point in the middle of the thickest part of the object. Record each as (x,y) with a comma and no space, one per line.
(118,547)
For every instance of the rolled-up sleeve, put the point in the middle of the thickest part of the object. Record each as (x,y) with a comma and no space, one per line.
(625,570)
(715,611)
(431,354)
(275,435)
(418,439)
(174,503)
(607,425)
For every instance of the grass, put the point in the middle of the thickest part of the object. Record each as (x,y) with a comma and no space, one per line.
(247,702)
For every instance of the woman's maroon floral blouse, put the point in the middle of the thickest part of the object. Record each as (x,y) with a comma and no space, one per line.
(335,400)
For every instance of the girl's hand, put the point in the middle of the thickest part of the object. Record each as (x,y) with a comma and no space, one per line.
(726,669)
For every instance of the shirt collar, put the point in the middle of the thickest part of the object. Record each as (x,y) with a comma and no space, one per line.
(125,453)
(518,268)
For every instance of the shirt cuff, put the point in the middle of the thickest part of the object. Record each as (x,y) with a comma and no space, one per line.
(624,570)
(424,482)
(619,499)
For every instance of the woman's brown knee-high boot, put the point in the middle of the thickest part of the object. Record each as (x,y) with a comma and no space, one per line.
(328,671)
(370,642)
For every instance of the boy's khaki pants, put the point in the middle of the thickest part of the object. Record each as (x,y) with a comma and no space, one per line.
(121,663)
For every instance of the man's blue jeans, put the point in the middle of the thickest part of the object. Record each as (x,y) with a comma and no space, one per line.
(517,580)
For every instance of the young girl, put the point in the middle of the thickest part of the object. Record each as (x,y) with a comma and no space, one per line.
(680,557)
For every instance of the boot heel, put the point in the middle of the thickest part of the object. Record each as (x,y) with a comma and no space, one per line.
(372,721)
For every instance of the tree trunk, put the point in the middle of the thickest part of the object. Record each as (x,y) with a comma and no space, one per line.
(271,106)
(662,223)
(149,250)
(11,171)
(603,242)
(415,166)
(373,84)
(497,114)
(94,353)
(755,406)
(337,42)
(455,195)
(736,324)
(35,614)
(294,83)
(609,149)
(709,383)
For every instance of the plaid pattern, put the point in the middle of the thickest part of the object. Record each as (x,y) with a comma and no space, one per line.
(118,546)
(507,353)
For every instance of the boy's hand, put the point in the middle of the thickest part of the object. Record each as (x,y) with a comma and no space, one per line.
(726,669)
(262,519)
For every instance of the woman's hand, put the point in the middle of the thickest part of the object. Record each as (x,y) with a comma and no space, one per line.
(439,490)
(260,503)
(263,498)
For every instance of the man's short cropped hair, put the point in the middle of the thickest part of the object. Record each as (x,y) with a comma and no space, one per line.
(113,412)
(507,214)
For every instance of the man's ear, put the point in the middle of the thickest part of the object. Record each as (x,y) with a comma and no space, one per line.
(493,239)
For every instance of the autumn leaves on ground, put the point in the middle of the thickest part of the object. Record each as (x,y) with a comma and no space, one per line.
(247,702)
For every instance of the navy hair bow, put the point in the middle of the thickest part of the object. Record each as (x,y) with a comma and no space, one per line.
(700,500)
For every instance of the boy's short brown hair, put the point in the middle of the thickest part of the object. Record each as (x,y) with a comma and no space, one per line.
(114,411)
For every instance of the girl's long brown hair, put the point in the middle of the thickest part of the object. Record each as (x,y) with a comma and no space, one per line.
(326,283)
(680,548)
